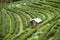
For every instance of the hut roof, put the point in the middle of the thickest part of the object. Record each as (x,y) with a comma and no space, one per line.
(37,20)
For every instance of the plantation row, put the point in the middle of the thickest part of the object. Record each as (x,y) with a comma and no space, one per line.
(14,19)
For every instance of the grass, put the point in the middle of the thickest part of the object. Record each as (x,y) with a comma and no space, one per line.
(14,19)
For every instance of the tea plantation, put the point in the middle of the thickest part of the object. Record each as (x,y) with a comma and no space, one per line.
(14,19)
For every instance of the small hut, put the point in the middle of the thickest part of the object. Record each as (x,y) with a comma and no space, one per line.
(34,22)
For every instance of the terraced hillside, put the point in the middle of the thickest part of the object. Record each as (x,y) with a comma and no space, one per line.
(14,19)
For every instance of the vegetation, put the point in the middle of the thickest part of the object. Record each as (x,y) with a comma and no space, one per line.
(14,19)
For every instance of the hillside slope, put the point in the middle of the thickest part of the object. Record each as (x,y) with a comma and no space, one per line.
(14,19)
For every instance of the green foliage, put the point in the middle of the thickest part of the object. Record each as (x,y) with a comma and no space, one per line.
(15,17)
